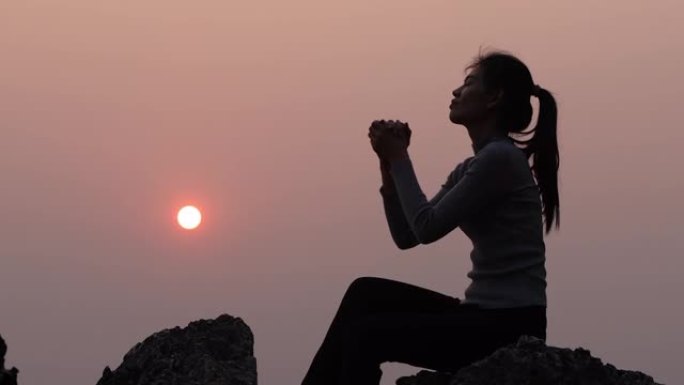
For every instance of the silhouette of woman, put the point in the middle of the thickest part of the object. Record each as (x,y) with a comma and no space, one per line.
(501,198)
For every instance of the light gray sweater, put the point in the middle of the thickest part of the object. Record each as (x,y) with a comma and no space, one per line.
(494,199)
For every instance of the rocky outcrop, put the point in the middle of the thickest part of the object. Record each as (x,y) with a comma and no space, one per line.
(531,361)
(220,352)
(7,376)
(206,352)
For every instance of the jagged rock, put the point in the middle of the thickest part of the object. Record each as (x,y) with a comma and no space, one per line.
(206,352)
(7,377)
(530,361)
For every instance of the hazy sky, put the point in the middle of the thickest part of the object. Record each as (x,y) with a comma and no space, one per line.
(113,114)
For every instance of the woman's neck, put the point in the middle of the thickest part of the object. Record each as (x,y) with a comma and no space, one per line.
(481,134)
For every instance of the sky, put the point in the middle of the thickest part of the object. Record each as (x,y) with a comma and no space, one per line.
(114,114)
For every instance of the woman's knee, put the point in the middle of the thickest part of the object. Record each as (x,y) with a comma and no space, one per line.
(360,291)
(363,286)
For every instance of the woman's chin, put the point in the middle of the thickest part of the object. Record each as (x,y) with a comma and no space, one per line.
(454,118)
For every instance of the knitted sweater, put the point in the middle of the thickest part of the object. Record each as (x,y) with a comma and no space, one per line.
(493,198)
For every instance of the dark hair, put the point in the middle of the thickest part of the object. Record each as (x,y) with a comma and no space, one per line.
(503,71)
(3,350)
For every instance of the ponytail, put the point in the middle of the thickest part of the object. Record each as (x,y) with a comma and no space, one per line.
(543,149)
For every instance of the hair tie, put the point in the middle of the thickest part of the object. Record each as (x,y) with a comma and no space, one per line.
(536,90)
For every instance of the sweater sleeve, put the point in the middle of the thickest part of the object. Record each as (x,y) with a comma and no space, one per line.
(487,176)
(400,229)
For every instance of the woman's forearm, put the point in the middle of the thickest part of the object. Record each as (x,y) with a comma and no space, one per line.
(387,181)
(399,227)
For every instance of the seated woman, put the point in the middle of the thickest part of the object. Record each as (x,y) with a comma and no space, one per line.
(503,198)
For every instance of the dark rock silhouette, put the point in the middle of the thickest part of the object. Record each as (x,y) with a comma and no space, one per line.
(7,377)
(206,352)
(531,361)
(220,352)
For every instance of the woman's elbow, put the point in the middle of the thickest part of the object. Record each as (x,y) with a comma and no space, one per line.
(406,246)
(427,237)
(427,229)
(406,243)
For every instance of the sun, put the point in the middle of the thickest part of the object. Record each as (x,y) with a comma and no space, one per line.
(189,217)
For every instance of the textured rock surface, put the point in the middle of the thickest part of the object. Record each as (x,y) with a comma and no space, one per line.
(206,352)
(530,361)
(7,376)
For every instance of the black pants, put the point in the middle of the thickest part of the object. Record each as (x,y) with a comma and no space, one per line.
(381,320)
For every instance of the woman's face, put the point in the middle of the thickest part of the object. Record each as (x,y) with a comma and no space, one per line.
(470,103)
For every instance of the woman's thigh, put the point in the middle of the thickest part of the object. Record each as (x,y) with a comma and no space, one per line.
(444,342)
(371,295)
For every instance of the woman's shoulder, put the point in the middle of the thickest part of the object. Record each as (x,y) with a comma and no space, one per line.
(502,151)
(502,145)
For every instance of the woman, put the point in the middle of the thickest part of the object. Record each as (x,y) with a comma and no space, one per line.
(501,198)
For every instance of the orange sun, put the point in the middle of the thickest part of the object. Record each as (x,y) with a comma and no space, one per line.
(189,217)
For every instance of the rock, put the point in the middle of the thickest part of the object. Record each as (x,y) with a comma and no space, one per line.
(206,352)
(7,377)
(531,361)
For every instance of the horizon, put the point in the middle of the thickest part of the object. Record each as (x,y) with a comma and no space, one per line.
(116,115)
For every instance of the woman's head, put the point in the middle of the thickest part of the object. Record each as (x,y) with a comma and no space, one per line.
(499,87)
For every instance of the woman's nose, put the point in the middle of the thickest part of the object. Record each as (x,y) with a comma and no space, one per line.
(456,92)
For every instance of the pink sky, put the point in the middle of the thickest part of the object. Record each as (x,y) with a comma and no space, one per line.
(114,114)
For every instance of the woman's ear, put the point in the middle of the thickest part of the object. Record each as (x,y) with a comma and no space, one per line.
(494,98)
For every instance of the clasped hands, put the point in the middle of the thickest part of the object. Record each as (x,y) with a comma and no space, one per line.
(390,139)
